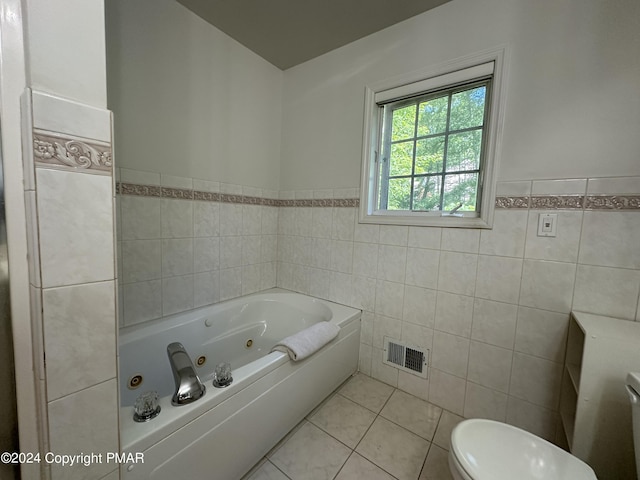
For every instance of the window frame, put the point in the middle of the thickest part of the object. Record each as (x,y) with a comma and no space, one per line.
(442,77)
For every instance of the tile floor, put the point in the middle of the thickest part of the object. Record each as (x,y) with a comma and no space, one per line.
(365,430)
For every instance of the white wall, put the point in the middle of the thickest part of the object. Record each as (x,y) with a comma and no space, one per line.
(188,100)
(572,106)
(65,51)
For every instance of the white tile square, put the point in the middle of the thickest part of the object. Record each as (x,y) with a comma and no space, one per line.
(321,221)
(177,257)
(447,391)
(419,306)
(141,260)
(367,392)
(392,262)
(460,240)
(425,237)
(422,267)
(206,254)
(536,380)
(450,354)
(344,220)
(251,249)
(499,278)
(141,217)
(342,256)
(416,415)
(610,239)
(75,213)
(494,323)
(507,236)
(454,314)
(547,285)
(75,428)
(532,418)
(457,272)
(79,341)
(359,467)
(389,299)
(364,293)
(177,294)
(230,252)
(206,219)
(252,219)
(542,333)
(490,366)
(394,449)
(206,288)
(385,327)
(414,385)
(293,459)
(394,235)
(177,218)
(343,419)
(142,301)
(481,402)
(365,259)
(607,291)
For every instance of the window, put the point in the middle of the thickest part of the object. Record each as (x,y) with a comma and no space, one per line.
(430,148)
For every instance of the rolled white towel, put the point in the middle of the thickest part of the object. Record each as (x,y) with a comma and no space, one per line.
(302,344)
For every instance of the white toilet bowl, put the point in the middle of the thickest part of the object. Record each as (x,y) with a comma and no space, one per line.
(489,450)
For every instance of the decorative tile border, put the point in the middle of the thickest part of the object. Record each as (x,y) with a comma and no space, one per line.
(571,202)
(613,202)
(552,202)
(539,202)
(59,151)
(186,194)
(512,202)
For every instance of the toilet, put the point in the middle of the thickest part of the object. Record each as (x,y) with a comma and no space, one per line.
(633,389)
(489,450)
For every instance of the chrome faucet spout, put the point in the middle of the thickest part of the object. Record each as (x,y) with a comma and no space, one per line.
(189,388)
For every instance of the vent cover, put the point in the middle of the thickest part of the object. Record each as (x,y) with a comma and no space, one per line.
(405,357)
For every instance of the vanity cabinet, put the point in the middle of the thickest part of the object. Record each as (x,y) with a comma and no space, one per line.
(595,410)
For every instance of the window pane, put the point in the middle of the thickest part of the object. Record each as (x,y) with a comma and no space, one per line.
(467,108)
(401,158)
(432,116)
(399,194)
(463,151)
(429,155)
(403,123)
(459,189)
(426,192)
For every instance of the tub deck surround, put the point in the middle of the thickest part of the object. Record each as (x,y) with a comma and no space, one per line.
(222,332)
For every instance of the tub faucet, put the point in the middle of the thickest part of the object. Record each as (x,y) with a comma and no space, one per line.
(189,388)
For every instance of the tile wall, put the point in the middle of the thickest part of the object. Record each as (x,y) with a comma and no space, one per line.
(69,198)
(184,243)
(492,306)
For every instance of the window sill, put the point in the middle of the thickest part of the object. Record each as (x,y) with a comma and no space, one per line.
(422,220)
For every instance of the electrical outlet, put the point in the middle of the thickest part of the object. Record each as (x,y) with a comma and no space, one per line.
(547,224)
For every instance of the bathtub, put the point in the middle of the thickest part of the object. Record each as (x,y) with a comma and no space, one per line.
(226,432)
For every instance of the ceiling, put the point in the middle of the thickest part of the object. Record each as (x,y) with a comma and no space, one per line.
(289,32)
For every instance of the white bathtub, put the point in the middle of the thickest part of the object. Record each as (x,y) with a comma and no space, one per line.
(226,432)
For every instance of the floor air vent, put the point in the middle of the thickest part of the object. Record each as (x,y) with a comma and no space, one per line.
(405,357)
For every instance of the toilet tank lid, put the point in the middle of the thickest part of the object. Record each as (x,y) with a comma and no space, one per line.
(633,380)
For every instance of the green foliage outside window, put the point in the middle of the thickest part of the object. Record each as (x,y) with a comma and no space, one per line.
(434,151)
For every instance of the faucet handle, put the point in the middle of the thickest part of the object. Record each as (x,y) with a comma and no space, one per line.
(146,407)
(222,375)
